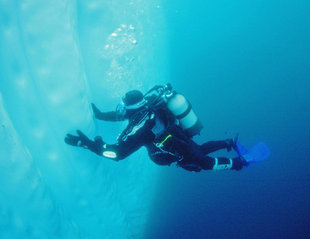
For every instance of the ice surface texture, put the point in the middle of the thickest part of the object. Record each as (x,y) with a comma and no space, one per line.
(56,58)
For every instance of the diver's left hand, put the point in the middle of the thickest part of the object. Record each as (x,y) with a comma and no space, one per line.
(72,140)
(79,140)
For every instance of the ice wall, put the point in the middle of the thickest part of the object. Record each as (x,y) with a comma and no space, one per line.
(56,57)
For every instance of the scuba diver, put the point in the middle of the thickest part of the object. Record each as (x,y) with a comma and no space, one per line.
(164,122)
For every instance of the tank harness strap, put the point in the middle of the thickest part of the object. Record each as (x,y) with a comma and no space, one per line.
(186,112)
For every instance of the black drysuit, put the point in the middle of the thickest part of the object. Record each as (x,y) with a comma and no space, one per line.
(166,142)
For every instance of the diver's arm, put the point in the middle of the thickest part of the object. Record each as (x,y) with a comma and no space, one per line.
(106,116)
(116,152)
(130,141)
(133,139)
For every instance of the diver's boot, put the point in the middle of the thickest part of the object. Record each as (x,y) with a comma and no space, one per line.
(239,163)
(231,143)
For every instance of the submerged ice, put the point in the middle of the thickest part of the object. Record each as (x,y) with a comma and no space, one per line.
(56,58)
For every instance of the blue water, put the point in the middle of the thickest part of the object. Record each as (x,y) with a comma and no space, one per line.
(245,67)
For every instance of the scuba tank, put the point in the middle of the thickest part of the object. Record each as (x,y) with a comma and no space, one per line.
(179,106)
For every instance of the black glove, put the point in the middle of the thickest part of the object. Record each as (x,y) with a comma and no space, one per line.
(79,140)
(72,140)
(83,141)
(96,111)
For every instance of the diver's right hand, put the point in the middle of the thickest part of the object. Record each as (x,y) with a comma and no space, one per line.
(96,111)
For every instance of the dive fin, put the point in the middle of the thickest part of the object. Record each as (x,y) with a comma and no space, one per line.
(257,153)
(241,149)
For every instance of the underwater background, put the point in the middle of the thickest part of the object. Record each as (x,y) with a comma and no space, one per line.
(245,67)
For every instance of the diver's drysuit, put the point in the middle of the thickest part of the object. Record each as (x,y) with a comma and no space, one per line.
(166,142)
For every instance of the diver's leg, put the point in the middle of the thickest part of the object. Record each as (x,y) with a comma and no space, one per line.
(196,160)
(216,164)
(190,167)
(212,146)
(222,163)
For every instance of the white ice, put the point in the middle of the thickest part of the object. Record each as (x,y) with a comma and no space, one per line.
(56,57)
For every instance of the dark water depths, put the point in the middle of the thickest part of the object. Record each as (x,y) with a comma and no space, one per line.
(246,68)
